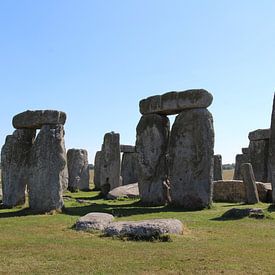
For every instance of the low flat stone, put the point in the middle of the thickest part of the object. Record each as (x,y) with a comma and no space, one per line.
(36,119)
(127,148)
(146,229)
(125,191)
(175,102)
(239,213)
(94,221)
(259,134)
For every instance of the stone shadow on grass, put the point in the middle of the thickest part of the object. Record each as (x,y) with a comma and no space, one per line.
(271,208)
(19,213)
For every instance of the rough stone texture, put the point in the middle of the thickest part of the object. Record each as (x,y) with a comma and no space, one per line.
(126,191)
(217,167)
(249,183)
(110,167)
(15,157)
(240,159)
(129,168)
(144,229)
(259,134)
(127,149)
(245,150)
(259,158)
(151,146)
(191,159)
(94,221)
(272,150)
(47,164)
(78,167)
(175,102)
(36,119)
(234,191)
(240,213)
(97,169)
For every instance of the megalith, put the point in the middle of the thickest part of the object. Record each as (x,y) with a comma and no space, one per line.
(110,166)
(217,167)
(272,150)
(240,159)
(151,146)
(129,167)
(46,173)
(191,159)
(78,168)
(15,158)
(97,169)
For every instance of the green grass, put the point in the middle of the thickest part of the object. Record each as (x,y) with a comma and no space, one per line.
(47,244)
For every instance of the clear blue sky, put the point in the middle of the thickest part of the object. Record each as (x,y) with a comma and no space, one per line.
(96,59)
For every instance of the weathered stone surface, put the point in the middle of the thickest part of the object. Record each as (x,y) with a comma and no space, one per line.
(259,134)
(78,167)
(47,164)
(272,150)
(217,167)
(36,119)
(15,157)
(245,150)
(129,168)
(191,159)
(144,229)
(126,191)
(259,158)
(240,159)
(234,191)
(249,183)
(94,221)
(110,167)
(151,146)
(97,169)
(127,149)
(240,213)
(175,102)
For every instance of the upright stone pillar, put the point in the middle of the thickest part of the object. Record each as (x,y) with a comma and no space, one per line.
(78,167)
(191,159)
(217,167)
(15,157)
(240,159)
(47,164)
(272,150)
(110,166)
(97,169)
(151,146)
(129,167)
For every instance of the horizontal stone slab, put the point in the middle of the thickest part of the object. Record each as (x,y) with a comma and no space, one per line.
(36,119)
(175,102)
(259,134)
(126,191)
(127,148)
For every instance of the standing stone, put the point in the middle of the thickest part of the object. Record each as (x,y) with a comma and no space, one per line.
(272,151)
(129,166)
(250,183)
(217,167)
(191,159)
(97,169)
(78,167)
(110,167)
(151,146)
(240,159)
(127,148)
(48,161)
(245,150)
(15,157)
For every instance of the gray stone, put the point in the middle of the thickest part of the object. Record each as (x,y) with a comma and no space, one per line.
(129,168)
(259,134)
(110,167)
(126,191)
(191,159)
(217,167)
(151,145)
(233,191)
(94,221)
(47,164)
(240,213)
(36,119)
(97,169)
(78,167)
(272,150)
(142,230)
(240,159)
(15,157)
(252,196)
(175,102)
(259,158)
(245,150)
(127,149)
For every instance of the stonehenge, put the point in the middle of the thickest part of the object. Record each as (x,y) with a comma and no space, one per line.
(272,150)
(217,167)
(129,173)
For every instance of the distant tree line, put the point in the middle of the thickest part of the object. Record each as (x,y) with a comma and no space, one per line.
(228,166)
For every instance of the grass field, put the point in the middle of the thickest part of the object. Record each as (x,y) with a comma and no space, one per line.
(47,244)
(228,174)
